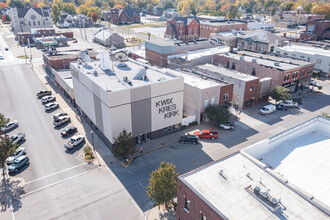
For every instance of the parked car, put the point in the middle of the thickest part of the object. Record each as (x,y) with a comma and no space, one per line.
(74,142)
(313,83)
(61,121)
(1,58)
(281,107)
(51,106)
(17,138)
(68,131)
(227,126)
(267,109)
(10,125)
(18,152)
(289,103)
(47,99)
(43,93)
(75,41)
(189,139)
(207,134)
(6,48)
(57,115)
(18,163)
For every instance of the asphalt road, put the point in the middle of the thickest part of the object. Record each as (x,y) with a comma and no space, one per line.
(56,183)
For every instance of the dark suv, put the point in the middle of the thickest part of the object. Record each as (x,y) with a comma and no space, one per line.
(193,139)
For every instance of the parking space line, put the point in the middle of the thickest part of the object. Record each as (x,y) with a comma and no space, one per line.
(60,181)
(141,185)
(128,171)
(54,173)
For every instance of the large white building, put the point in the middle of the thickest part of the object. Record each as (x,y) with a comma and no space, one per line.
(23,19)
(143,100)
(260,26)
(283,177)
(319,56)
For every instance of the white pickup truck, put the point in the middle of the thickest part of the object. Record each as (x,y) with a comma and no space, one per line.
(289,103)
(74,142)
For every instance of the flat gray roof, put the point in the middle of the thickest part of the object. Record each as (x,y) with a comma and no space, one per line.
(221,23)
(226,72)
(265,60)
(114,80)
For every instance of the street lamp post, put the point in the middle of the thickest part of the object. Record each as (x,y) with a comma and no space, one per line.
(94,148)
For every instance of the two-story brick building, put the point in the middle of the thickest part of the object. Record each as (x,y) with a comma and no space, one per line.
(317,29)
(122,16)
(183,28)
(217,26)
(292,74)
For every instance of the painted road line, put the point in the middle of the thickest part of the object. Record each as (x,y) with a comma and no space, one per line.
(60,181)
(32,181)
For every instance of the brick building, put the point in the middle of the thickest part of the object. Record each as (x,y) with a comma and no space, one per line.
(245,87)
(122,16)
(318,29)
(216,26)
(201,91)
(158,50)
(292,74)
(63,59)
(25,37)
(183,28)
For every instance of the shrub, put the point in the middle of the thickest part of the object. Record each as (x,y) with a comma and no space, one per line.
(193,123)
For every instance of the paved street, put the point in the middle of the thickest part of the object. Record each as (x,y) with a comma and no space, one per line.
(57,184)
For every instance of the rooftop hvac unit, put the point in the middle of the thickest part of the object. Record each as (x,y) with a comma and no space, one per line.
(241,57)
(129,83)
(125,79)
(144,77)
(254,60)
(79,61)
(277,64)
(95,73)
(273,202)
(256,190)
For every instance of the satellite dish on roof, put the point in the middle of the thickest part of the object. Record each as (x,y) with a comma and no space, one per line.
(120,56)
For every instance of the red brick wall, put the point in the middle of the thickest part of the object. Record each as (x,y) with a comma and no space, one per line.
(197,205)
(320,27)
(155,58)
(251,94)
(182,29)
(68,34)
(206,30)
(226,89)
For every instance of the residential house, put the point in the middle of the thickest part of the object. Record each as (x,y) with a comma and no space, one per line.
(124,16)
(183,28)
(82,21)
(65,21)
(158,11)
(23,19)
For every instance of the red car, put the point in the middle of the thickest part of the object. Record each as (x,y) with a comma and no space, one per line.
(207,134)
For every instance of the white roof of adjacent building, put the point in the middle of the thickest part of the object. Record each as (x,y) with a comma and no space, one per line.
(198,82)
(228,185)
(191,55)
(134,71)
(306,50)
(301,155)
(219,70)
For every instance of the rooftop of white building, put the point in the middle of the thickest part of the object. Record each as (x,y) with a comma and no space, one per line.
(301,156)
(199,82)
(229,185)
(191,55)
(306,50)
(123,75)
(220,71)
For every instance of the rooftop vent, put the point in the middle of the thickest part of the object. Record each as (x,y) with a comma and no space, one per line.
(241,57)
(254,60)
(144,77)
(95,73)
(277,64)
(125,79)
(129,83)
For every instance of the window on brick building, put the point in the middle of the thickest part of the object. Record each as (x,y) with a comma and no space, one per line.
(302,73)
(251,88)
(186,204)
(253,72)
(203,217)
(212,100)
(295,75)
(206,102)
(286,77)
(225,97)
(233,66)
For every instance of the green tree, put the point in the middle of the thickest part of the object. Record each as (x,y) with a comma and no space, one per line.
(124,146)
(287,6)
(97,10)
(83,10)
(18,3)
(6,149)
(218,113)
(56,12)
(3,121)
(308,7)
(168,4)
(193,8)
(162,188)
(69,8)
(280,93)
(232,12)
